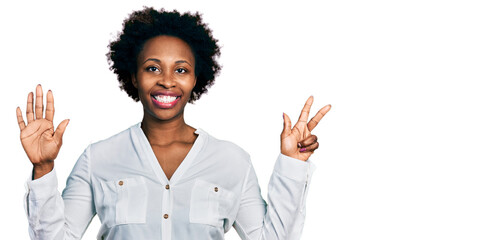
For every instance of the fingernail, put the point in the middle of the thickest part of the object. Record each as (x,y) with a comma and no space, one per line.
(299,145)
(302,150)
(283,116)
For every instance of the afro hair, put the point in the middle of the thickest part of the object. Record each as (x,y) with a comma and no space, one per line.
(145,24)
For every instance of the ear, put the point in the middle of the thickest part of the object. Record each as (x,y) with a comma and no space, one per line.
(133,79)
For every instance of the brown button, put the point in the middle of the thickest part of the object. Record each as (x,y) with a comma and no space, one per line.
(216,189)
(167,187)
(166,216)
(121,183)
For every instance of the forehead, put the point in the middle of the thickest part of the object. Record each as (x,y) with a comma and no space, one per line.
(166,47)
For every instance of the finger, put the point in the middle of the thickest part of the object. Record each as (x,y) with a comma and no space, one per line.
(30,107)
(305,110)
(60,130)
(287,126)
(50,110)
(39,103)
(308,141)
(20,121)
(310,148)
(319,115)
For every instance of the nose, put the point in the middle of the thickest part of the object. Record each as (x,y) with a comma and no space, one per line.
(167,80)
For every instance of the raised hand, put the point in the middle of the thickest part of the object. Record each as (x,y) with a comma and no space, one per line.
(298,142)
(39,140)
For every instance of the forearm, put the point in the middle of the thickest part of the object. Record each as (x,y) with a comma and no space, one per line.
(45,208)
(283,217)
(286,198)
(55,216)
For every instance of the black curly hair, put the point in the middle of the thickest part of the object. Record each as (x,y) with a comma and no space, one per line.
(147,23)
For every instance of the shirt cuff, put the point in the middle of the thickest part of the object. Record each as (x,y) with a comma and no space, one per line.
(293,168)
(43,187)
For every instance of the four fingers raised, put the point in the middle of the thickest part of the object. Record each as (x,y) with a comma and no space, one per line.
(38,113)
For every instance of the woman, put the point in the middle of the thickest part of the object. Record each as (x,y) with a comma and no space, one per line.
(161,178)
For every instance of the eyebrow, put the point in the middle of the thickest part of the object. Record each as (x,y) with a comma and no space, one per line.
(182,61)
(157,60)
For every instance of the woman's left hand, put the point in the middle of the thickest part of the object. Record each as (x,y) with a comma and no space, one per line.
(298,142)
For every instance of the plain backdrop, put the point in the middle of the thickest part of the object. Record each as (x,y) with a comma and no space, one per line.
(399,154)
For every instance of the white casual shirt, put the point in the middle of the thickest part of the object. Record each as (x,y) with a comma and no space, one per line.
(214,188)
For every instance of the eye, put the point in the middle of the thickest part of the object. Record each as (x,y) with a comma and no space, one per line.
(181,70)
(152,69)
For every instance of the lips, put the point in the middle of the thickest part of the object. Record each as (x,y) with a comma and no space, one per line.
(165,99)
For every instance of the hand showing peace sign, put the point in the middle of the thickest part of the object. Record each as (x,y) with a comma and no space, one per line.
(298,142)
(39,140)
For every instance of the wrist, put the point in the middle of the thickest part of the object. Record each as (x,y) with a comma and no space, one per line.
(39,170)
(296,156)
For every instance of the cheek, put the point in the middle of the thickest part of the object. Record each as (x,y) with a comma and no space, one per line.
(188,83)
(193,81)
(134,80)
(191,87)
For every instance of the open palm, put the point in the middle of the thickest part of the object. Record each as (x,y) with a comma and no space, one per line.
(297,141)
(39,140)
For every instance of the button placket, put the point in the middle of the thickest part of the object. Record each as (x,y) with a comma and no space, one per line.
(166,212)
(167,187)
(166,203)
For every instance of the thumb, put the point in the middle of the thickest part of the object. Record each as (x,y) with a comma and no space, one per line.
(60,130)
(287,126)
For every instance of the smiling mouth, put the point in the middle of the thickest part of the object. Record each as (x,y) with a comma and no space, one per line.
(165,98)
(165,101)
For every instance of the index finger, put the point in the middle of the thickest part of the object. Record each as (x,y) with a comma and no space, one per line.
(305,110)
(319,115)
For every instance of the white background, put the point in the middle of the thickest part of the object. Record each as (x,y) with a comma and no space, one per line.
(399,154)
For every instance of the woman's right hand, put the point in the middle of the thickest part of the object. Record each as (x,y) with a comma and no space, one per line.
(39,140)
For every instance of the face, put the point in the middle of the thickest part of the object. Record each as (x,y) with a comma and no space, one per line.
(165,77)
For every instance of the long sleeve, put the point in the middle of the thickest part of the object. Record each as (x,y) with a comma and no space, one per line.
(283,216)
(56,217)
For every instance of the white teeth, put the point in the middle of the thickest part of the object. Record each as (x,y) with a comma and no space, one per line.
(165,99)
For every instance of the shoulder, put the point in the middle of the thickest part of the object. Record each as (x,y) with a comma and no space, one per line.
(226,160)
(115,144)
(225,149)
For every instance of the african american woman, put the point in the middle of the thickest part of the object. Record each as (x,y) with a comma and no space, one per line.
(161,178)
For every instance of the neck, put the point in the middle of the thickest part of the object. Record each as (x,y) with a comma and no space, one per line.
(165,132)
